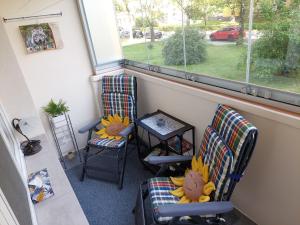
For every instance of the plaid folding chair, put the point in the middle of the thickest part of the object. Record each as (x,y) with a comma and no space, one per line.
(118,97)
(226,148)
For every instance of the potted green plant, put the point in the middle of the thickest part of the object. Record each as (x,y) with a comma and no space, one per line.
(56,110)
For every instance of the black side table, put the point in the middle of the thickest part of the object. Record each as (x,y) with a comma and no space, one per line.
(165,127)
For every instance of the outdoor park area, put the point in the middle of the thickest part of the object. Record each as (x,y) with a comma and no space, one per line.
(216,42)
(222,62)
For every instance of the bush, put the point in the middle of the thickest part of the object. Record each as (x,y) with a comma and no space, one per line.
(194,44)
(277,52)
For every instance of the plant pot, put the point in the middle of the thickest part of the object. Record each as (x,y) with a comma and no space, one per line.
(59,121)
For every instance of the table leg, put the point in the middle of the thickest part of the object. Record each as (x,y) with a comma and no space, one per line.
(137,141)
(180,143)
(149,142)
(194,146)
(165,146)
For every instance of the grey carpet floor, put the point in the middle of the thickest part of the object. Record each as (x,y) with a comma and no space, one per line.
(104,204)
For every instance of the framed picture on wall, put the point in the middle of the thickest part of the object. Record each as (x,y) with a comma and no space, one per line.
(40,37)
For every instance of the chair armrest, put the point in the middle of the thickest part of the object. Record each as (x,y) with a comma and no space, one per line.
(156,160)
(128,130)
(89,126)
(193,209)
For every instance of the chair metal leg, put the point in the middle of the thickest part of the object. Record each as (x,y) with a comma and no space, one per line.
(87,149)
(123,166)
(137,140)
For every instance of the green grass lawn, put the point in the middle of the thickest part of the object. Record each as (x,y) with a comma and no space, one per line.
(222,61)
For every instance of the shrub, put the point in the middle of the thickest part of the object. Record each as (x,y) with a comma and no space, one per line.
(194,44)
(277,52)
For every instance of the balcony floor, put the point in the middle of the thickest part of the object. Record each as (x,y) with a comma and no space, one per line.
(104,204)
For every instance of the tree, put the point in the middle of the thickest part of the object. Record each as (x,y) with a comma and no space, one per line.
(118,6)
(152,14)
(198,9)
(277,52)
(123,6)
(238,10)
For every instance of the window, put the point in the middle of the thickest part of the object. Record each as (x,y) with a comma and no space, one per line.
(246,46)
(102,34)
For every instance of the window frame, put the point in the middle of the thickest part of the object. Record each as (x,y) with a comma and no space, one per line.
(242,88)
(102,67)
(284,99)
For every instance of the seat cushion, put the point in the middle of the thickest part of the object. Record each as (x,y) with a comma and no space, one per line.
(233,128)
(105,142)
(116,103)
(159,189)
(219,157)
(122,83)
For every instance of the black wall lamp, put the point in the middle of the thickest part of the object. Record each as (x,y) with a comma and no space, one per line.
(29,147)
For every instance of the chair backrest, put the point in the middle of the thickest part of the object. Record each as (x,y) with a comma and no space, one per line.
(219,158)
(119,95)
(239,136)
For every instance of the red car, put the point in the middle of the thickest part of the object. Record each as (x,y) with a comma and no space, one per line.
(227,33)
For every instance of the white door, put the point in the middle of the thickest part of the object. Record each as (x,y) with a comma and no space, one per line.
(13,177)
(7,216)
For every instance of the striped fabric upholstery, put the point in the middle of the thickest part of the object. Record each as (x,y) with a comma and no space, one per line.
(118,97)
(119,84)
(232,128)
(117,103)
(219,158)
(159,189)
(105,142)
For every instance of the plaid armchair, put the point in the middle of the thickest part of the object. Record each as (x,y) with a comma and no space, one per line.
(118,96)
(226,147)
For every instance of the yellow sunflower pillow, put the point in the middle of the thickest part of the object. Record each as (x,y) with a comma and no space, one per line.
(112,126)
(194,186)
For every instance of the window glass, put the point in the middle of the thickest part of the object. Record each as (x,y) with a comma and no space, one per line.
(275,55)
(213,38)
(131,28)
(256,43)
(152,23)
(216,44)
(103,31)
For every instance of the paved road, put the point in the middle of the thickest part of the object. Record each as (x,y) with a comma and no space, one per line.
(131,41)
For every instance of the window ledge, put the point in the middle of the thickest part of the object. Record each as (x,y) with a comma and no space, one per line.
(63,207)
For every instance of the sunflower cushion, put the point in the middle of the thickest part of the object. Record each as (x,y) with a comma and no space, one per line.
(215,154)
(109,134)
(105,142)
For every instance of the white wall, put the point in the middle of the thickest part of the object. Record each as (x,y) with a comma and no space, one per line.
(269,192)
(14,94)
(56,74)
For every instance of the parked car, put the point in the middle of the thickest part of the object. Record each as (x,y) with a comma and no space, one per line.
(124,33)
(157,34)
(227,33)
(137,34)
